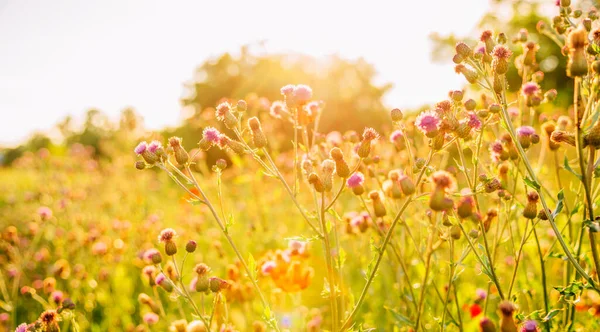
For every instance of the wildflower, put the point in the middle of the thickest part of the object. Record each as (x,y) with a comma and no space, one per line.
(49,320)
(224,114)
(190,246)
(57,296)
(443,182)
(530,210)
(258,136)
(355,182)
(216,284)
(463,50)
(21,328)
(428,123)
(302,94)
(486,38)
(407,185)
(469,74)
(163,282)
(525,135)
(466,204)
(44,212)
(143,149)
(150,318)
(378,206)
(167,236)
(397,138)
(396,115)
(486,325)
(341,167)
(210,137)
(500,55)
(327,170)
(316,182)
(577,40)
(507,321)
(181,156)
(473,121)
(287,90)
(559,136)
(202,284)
(241,106)
(152,256)
(531,92)
(267,267)
(364,148)
(530,326)
(277,109)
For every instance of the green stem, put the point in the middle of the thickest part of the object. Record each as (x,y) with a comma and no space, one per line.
(544,286)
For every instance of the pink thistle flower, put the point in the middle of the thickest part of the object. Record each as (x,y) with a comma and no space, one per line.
(222,110)
(355,180)
(154,146)
(277,108)
(166,235)
(313,107)
(160,279)
(44,212)
(141,148)
(525,131)
(443,179)
(302,94)
(148,254)
(370,134)
(334,138)
(22,328)
(211,134)
(530,89)
(474,121)
(268,267)
(480,294)
(529,326)
(151,318)
(396,136)
(57,296)
(496,147)
(501,52)
(287,90)
(193,284)
(428,122)
(297,246)
(480,50)
(149,270)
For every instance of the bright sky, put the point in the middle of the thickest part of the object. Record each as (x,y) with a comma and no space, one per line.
(63,57)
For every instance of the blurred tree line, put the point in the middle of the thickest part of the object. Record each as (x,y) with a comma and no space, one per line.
(352,101)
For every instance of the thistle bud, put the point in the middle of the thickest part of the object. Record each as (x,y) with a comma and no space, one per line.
(576,43)
(396,115)
(316,182)
(224,114)
(378,205)
(170,248)
(470,75)
(258,136)
(181,156)
(216,284)
(463,50)
(438,200)
(221,164)
(232,145)
(466,204)
(565,3)
(328,168)
(364,148)
(341,167)
(156,258)
(407,185)
(473,233)
(500,55)
(202,283)
(455,232)
(190,247)
(562,137)
(470,104)
(530,211)
(141,165)
(587,24)
(241,106)
(592,138)
(457,58)
(355,182)
(494,108)
(507,321)
(164,283)
(486,325)
(492,185)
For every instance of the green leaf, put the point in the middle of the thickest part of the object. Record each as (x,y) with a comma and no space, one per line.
(334,214)
(568,168)
(531,183)
(342,258)
(252,266)
(551,314)
(400,318)
(560,204)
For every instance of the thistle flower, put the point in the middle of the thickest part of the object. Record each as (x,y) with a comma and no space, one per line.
(49,320)
(428,123)
(474,121)
(531,91)
(287,90)
(530,211)
(223,113)
(530,326)
(143,149)
(302,94)
(525,135)
(167,236)
(396,115)
(341,167)
(466,204)
(577,40)
(21,328)
(486,325)
(277,109)
(327,170)
(500,55)
(470,75)
(378,206)
(355,182)
(558,136)
(191,246)
(44,212)
(181,156)
(463,50)
(443,182)
(151,318)
(258,136)
(163,282)
(507,321)
(217,284)
(486,38)
(364,148)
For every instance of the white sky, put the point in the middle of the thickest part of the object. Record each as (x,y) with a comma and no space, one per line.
(60,57)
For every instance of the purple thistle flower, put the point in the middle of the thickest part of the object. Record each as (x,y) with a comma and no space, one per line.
(355,180)
(141,148)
